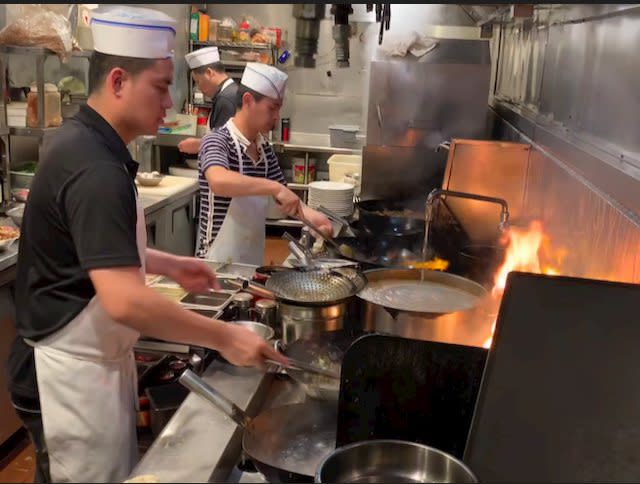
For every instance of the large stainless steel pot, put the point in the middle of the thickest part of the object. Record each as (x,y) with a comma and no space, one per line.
(391,461)
(300,322)
(467,327)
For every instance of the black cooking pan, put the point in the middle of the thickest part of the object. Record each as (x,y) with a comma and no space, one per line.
(286,443)
(381,252)
(392,217)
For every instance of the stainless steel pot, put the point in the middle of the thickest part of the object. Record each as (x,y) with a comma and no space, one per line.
(391,461)
(305,321)
(469,327)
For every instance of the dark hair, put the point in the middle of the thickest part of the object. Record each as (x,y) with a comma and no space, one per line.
(101,64)
(216,66)
(241,92)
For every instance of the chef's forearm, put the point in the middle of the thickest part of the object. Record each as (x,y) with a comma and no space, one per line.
(227,183)
(158,262)
(127,300)
(156,316)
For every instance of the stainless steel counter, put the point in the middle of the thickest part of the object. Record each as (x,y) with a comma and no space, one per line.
(9,257)
(201,444)
(152,202)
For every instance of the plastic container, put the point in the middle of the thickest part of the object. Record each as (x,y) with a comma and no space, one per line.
(244,32)
(214,23)
(52,107)
(203,27)
(298,170)
(341,165)
(194,27)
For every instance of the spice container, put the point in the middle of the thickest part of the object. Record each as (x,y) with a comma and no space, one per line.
(52,107)
(244,32)
(214,23)
(298,170)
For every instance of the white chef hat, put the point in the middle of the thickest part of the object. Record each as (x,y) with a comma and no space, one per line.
(265,79)
(202,57)
(133,32)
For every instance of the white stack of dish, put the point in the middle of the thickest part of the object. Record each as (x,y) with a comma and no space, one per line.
(334,196)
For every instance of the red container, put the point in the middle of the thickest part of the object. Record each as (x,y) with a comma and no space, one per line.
(285,125)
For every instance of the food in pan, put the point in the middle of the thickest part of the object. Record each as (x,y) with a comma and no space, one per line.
(406,213)
(325,363)
(8,233)
(435,264)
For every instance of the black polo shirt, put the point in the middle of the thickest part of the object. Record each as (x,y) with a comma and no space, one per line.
(223,105)
(80,215)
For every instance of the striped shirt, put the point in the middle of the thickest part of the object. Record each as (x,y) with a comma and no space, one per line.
(219,149)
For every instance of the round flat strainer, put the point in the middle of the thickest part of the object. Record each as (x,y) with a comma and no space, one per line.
(316,286)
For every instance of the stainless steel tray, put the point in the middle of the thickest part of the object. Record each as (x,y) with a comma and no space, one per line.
(211,300)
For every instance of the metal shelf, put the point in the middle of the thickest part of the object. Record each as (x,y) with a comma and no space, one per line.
(284,223)
(22,131)
(298,186)
(237,45)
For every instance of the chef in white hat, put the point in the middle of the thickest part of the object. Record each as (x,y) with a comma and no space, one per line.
(239,171)
(81,297)
(211,78)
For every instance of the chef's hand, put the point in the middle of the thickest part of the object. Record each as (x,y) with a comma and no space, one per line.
(318,219)
(287,200)
(190,146)
(193,275)
(243,347)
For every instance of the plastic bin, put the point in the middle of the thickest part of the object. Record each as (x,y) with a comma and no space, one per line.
(340,165)
(343,136)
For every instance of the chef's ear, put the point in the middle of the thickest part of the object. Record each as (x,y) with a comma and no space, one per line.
(115,81)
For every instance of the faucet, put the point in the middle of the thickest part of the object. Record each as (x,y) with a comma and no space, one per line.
(440,192)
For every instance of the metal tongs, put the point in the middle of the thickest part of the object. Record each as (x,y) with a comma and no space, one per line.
(302,366)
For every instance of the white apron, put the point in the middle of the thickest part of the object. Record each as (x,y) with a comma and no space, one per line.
(241,237)
(88,388)
(226,84)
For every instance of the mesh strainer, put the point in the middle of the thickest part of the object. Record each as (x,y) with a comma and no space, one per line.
(319,286)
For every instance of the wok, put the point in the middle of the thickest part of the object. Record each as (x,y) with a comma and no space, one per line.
(381,252)
(286,444)
(324,349)
(398,217)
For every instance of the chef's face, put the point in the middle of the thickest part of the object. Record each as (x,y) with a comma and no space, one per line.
(206,82)
(146,96)
(264,113)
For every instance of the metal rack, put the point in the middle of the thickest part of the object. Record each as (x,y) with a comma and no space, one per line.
(40,55)
(234,68)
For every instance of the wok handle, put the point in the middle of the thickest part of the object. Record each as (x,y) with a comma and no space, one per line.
(252,288)
(197,385)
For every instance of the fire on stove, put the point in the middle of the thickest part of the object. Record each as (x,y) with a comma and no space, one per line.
(527,250)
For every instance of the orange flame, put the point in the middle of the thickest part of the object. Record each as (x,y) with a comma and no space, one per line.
(523,253)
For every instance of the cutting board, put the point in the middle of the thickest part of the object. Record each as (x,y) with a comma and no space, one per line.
(418,391)
(560,399)
(170,185)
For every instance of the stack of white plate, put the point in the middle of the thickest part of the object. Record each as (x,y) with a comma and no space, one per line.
(335,196)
